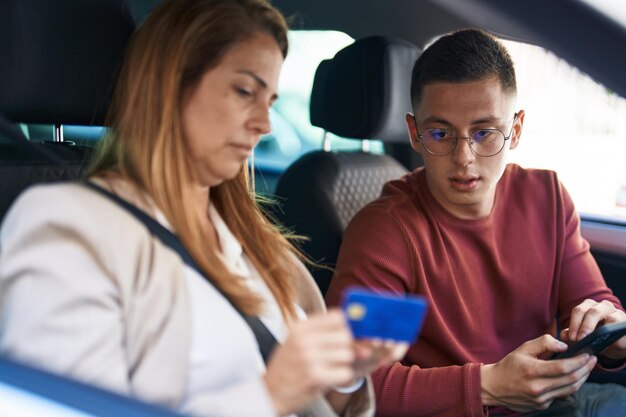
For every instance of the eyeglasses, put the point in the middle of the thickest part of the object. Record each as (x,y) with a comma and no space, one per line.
(483,142)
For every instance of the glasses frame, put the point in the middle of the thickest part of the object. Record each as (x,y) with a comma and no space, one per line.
(467,138)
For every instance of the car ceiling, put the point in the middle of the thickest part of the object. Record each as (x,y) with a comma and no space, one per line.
(585,38)
(418,21)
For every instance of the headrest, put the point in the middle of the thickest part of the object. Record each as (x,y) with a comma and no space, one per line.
(59,59)
(364,91)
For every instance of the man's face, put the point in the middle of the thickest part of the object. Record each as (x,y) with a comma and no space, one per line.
(461,181)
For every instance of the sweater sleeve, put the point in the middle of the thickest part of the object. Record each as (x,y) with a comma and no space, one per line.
(580,277)
(377,252)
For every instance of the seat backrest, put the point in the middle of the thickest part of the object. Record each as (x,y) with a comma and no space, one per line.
(363,93)
(58,62)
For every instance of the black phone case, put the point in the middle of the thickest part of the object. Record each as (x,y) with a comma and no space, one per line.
(596,342)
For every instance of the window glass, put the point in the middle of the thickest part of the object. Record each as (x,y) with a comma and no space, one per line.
(80,135)
(572,126)
(292,133)
(612,9)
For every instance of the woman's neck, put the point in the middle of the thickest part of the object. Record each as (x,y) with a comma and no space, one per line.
(202,201)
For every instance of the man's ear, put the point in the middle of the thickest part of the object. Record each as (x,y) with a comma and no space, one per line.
(517,129)
(412,128)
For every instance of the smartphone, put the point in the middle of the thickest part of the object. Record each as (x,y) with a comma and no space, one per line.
(386,316)
(596,342)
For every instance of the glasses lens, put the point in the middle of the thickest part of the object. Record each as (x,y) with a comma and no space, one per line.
(438,141)
(487,142)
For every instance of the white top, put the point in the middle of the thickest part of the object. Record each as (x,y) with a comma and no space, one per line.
(237,358)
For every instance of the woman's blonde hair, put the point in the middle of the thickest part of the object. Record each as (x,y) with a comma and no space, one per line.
(174,47)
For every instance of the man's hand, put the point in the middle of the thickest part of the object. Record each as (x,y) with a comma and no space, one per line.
(522,381)
(587,316)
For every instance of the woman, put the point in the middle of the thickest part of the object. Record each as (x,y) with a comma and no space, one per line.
(121,309)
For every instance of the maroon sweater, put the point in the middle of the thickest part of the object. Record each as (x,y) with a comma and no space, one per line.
(493,283)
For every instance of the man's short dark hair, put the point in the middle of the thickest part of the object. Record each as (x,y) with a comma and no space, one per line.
(462,56)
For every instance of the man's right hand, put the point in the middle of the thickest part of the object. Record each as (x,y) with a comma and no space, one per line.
(522,381)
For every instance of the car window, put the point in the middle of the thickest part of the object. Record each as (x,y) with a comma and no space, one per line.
(572,126)
(615,10)
(80,135)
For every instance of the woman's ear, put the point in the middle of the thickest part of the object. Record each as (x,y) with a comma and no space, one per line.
(517,128)
(409,118)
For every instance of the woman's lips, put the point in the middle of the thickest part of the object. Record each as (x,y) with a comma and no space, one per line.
(243,149)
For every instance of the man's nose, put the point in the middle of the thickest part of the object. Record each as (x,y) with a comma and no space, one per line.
(463,153)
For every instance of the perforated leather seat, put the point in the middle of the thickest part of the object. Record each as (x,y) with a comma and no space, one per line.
(363,93)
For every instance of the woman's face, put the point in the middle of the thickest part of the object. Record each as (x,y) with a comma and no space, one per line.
(226,113)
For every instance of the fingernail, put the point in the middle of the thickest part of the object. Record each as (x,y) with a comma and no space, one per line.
(562,344)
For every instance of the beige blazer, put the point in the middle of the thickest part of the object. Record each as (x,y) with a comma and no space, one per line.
(87,291)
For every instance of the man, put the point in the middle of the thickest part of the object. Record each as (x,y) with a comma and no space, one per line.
(495,248)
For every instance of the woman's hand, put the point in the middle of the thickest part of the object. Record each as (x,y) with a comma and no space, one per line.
(320,353)
(371,354)
(317,354)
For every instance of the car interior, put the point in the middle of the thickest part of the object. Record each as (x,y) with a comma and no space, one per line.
(59,64)
(55,77)
(356,94)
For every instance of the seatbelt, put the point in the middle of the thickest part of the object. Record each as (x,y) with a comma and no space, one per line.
(264,337)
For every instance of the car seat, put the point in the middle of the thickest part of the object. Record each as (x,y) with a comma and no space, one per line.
(363,92)
(58,60)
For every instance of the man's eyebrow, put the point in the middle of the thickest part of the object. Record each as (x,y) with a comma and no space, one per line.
(435,119)
(256,78)
(487,119)
(482,120)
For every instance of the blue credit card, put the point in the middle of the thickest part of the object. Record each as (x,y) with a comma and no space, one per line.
(384,315)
